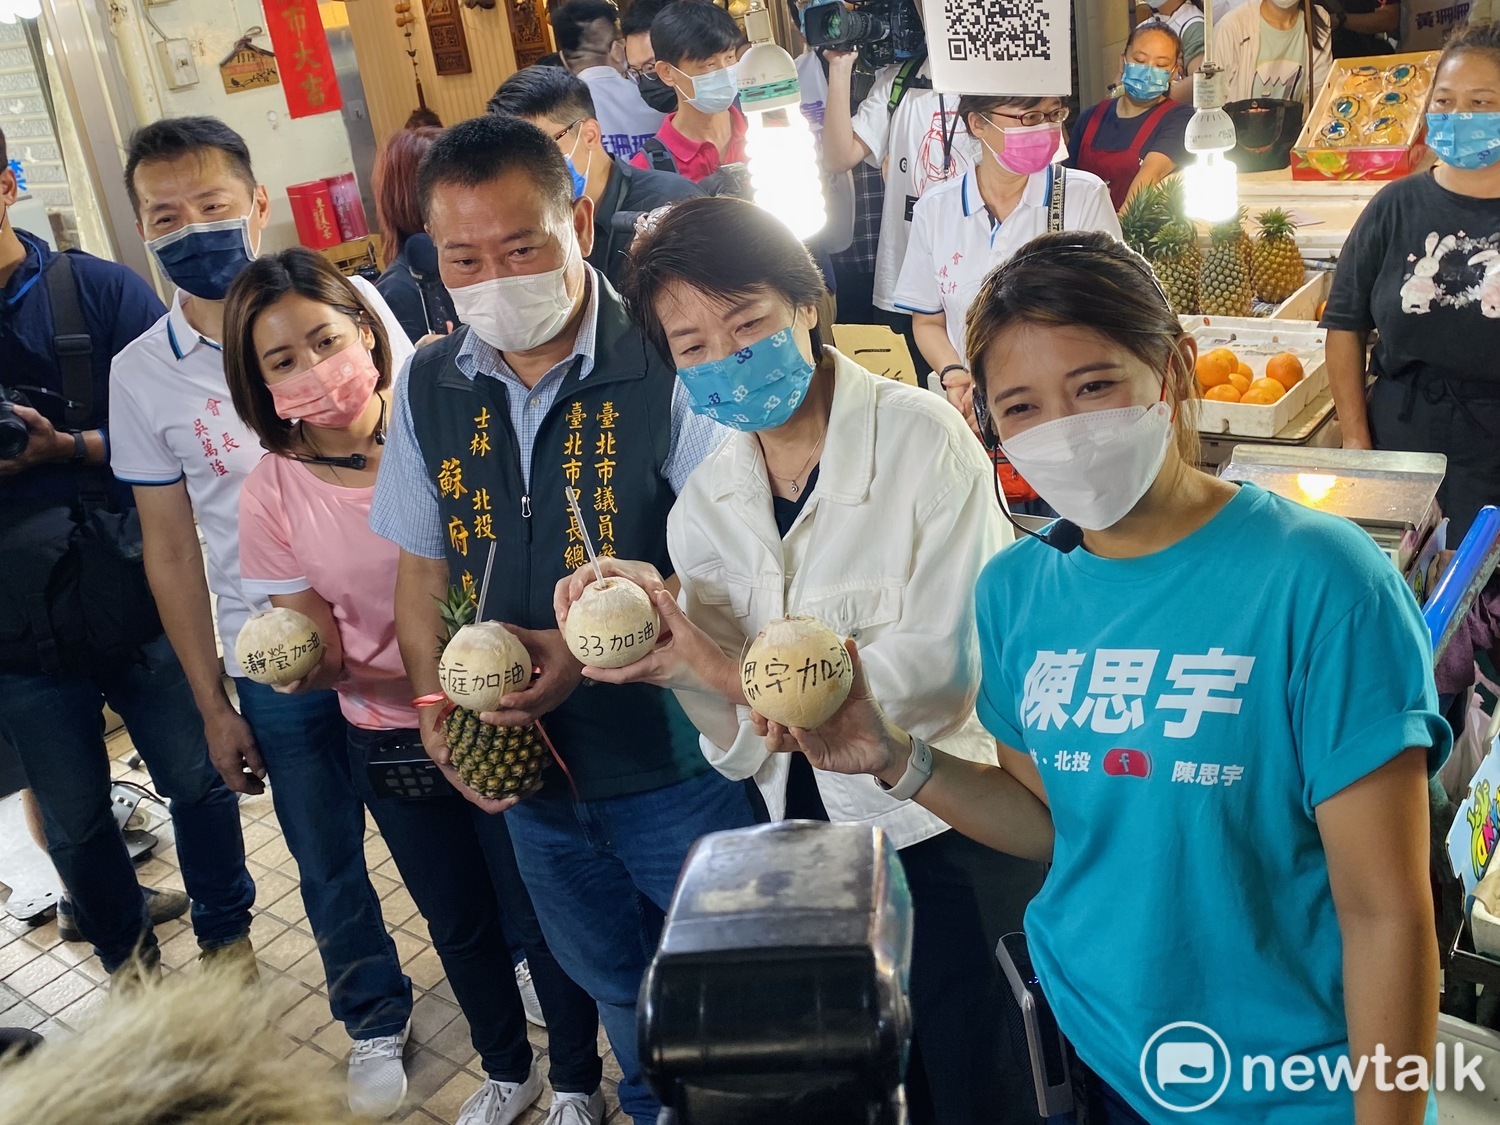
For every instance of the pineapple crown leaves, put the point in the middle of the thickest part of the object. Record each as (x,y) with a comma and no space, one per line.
(1143,217)
(456,610)
(1230,229)
(1275,223)
(1174,239)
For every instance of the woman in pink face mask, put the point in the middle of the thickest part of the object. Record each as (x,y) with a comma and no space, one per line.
(962,229)
(308,367)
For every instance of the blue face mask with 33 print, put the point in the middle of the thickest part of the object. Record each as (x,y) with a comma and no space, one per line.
(756,388)
(205,258)
(1465,140)
(1145,82)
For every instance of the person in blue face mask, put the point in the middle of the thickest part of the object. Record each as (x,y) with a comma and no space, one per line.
(867,504)
(696,44)
(1134,139)
(1422,268)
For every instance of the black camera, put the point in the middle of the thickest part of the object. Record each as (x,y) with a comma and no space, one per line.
(882,31)
(14,433)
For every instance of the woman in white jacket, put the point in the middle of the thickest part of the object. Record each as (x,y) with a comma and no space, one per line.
(868,505)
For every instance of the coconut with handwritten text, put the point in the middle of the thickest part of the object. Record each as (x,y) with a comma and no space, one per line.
(797,672)
(278,646)
(483,663)
(612,624)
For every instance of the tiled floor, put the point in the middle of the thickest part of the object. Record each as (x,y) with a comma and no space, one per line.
(53,987)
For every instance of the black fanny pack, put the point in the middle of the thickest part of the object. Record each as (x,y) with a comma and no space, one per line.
(74,597)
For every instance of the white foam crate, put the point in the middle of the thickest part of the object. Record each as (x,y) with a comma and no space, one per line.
(1255,340)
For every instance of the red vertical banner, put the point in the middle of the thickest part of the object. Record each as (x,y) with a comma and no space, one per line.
(302,53)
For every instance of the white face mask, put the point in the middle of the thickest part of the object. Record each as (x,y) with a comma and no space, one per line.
(516,314)
(1094,467)
(1287,5)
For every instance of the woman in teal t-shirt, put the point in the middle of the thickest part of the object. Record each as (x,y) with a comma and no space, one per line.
(1226,701)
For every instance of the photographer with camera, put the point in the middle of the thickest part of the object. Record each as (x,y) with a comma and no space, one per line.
(78,626)
(903,126)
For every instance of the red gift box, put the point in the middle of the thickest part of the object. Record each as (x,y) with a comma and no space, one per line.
(347,205)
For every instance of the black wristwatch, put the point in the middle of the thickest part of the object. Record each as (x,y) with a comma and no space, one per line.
(80,447)
(943,374)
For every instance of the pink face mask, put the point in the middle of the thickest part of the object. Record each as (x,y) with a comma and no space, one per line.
(1029,148)
(331,394)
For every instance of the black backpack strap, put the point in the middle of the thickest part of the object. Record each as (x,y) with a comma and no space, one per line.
(660,156)
(71,341)
(1057,191)
(906,79)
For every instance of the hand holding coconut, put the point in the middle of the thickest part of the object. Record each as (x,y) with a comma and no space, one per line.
(279,647)
(856,738)
(684,658)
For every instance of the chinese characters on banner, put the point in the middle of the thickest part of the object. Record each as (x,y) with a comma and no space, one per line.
(302,51)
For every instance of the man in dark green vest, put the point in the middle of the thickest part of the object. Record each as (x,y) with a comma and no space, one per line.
(549,386)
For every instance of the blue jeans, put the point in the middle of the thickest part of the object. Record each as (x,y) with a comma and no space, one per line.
(304,743)
(601,874)
(458,864)
(57,728)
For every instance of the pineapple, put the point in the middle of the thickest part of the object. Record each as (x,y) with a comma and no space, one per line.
(1276,270)
(1225,279)
(1142,218)
(493,761)
(1178,264)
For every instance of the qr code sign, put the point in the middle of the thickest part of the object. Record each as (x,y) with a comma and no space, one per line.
(998,30)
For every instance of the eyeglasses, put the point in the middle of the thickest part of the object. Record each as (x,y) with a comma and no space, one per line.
(1034,116)
(636,73)
(561,133)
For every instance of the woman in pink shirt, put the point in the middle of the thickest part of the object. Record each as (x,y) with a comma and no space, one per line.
(308,367)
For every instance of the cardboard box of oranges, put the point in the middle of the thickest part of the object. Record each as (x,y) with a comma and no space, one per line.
(1255,376)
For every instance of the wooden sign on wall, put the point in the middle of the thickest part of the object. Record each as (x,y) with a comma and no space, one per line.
(528,30)
(248,67)
(445,31)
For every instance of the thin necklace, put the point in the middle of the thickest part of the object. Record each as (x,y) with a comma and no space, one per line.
(792,480)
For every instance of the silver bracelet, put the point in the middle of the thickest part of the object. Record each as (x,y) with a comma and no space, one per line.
(918,772)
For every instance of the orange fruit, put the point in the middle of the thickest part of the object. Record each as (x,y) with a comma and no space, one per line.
(1240,383)
(1270,387)
(1224,392)
(1255,396)
(1285,368)
(1246,372)
(1214,369)
(1229,357)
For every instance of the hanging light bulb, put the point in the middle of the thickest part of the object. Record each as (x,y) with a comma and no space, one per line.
(785,176)
(1210,184)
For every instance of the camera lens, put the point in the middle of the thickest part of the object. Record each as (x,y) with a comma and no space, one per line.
(13,434)
(833,25)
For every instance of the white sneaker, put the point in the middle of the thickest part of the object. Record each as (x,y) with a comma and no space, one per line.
(577,1109)
(377,1074)
(529,1001)
(500,1103)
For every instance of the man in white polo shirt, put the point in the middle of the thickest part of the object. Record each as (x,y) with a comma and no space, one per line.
(177,441)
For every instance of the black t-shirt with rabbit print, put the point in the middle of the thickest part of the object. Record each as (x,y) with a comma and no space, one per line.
(1422,266)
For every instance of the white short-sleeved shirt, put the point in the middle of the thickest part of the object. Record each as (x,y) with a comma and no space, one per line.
(954,243)
(170,419)
(913,137)
(625,119)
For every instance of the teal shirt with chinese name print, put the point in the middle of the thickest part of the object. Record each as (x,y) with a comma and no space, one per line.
(1188,711)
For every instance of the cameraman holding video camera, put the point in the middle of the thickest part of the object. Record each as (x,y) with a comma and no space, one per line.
(78,627)
(903,126)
